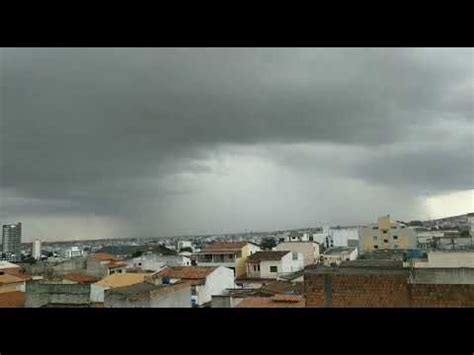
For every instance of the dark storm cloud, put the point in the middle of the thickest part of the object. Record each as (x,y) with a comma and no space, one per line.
(103,130)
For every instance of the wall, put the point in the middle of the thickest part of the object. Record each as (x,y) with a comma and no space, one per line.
(382,289)
(443,276)
(447,259)
(309,250)
(216,283)
(176,297)
(97,293)
(241,263)
(39,294)
(12,287)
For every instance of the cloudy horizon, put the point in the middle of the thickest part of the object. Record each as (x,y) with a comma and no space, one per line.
(161,141)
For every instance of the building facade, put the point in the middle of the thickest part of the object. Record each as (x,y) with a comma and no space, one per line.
(310,250)
(272,264)
(386,234)
(11,241)
(336,255)
(36,252)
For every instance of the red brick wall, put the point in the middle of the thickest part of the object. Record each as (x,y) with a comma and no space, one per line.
(384,290)
(435,295)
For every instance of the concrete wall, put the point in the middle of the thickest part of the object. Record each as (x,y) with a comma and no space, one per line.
(39,294)
(443,276)
(309,250)
(97,293)
(175,298)
(447,259)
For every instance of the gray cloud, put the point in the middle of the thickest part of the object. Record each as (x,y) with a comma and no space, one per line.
(126,133)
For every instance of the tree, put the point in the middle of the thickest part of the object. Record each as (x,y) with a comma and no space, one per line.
(268,243)
(137,254)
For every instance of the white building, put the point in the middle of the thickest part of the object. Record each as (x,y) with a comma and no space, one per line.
(445,259)
(310,250)
(155,262)
(336,255)
(205,281)
(272,264)
(36,252)
(184,244)
(73,252)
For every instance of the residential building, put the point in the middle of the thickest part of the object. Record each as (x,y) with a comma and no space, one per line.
(336,255)
(73,252)
(113,281)
(184,244)
(386,235)
(15,299)
(36,252)
(444,259)
(229,254)
(11,242)
(310,250)
(271,264)
(103,264)
(205,281)
(154,262)
(152,293)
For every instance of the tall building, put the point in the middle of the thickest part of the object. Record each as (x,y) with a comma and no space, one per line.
(11,241)
(386,235)
(36,249)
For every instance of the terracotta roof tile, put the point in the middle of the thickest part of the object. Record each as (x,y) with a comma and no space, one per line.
(120,280)
(12,299)
(194,274)
(225,246)
(115,264)
(268,255)
(80,278)
(9,279)
(105,257)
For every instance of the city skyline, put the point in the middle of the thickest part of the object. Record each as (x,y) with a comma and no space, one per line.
(134,142)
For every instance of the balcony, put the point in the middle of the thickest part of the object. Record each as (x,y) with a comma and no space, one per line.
(227,260)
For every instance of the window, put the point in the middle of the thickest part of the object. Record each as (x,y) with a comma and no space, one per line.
(394,227)
(384,232)
(375,227)
(255,268)
(385,240)
(376,246)
(273,269)
(193,291)
(139,264)
(395,237)
(375,237)
(258,267)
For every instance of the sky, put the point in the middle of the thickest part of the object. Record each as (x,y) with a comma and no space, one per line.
(139,142)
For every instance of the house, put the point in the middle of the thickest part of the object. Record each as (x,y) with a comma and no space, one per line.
(11,283)
(229,254)
(445,259)
(103,264)
(336,255)
(386,234)
(154,262)
(277,301)
(310,250)
(271,264)
(15,299)
(184,244)
(205,281)
(113,281)
(152,293)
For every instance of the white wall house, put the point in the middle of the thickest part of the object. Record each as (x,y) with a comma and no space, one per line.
(205,281)
(271,264)
(447,259)
(155,262)
(337,255)
(310,250)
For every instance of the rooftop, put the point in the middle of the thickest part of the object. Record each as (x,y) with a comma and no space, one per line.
(10,279)
(121,280)
(143,289)
(366,267)
(104,257)
(225,247)
(339,250)
(191,273)
(268,255)
(7,265)
(116,264)
(12,299)
(80,278)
